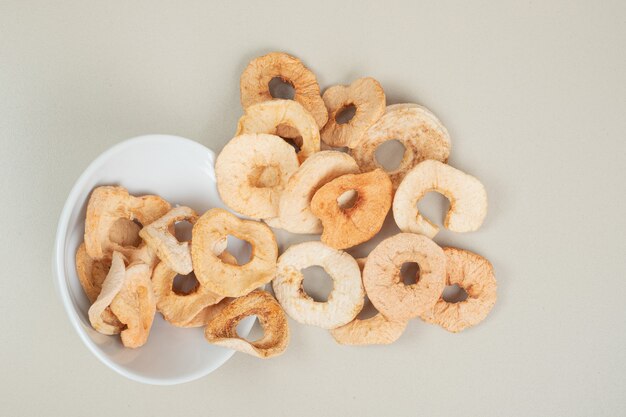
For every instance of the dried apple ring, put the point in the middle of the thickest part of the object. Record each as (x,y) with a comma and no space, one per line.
(295,202)
(424,110)
(209,235)
(110,287)
(135,305)
(376,330)
(420,132)
(179,309)
(159,238)
(91,275)
(147,208)
(383,283)
(193,309)
(252,171)
(107,205)
(222,330)
(125,233)
(475,275)
(209,312)
(347,227)
(265,117)
(345,300)
(274,222)
(256,78)
(368,98)
(468,199)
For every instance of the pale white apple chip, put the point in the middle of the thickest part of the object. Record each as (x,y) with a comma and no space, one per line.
(345,300)
(107,205)
(157,235)
(345,227)
(383,283)
(135,305)
(468,199)
(295,213)
(267,116)
(368,99)
(420,132)
(222,329)
(110,287)
(474,274)
(256,78)
(209,240)
(252,170)
(376,330)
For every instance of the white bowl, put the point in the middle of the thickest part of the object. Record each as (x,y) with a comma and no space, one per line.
(182,172)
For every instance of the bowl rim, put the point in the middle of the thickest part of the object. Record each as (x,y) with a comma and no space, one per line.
(60,278)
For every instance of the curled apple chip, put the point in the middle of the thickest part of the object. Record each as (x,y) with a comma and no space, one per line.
(158,236)
(110,287)
(91,275)
(468,199)
(222,329)
(267,116)
(135,305)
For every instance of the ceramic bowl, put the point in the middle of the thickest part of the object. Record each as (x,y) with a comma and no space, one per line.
(182,172)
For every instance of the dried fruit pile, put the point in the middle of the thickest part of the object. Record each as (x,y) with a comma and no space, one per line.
(128,271)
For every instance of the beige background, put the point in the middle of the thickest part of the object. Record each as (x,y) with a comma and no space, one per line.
(533,94)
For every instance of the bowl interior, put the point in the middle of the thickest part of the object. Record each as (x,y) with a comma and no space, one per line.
(181,171)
